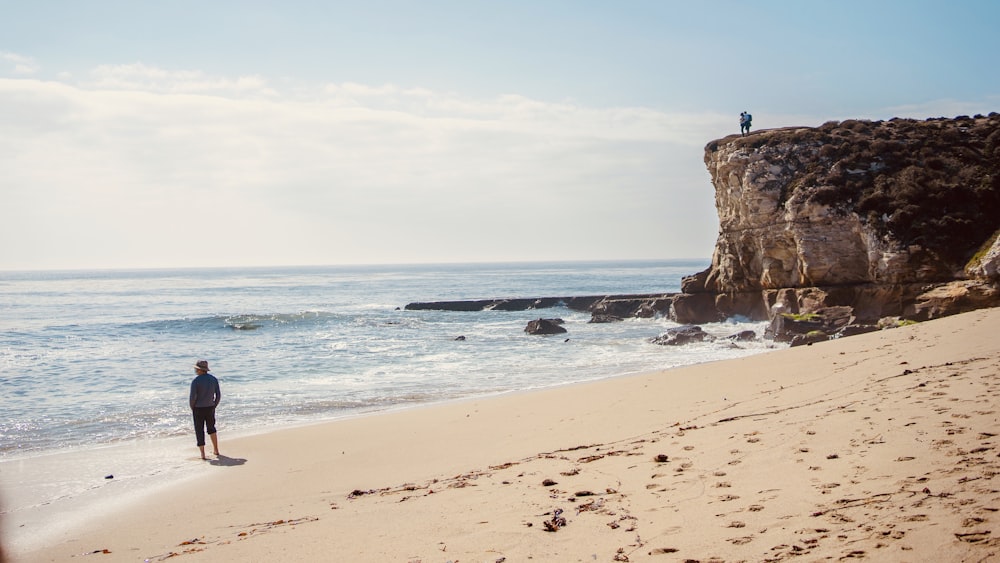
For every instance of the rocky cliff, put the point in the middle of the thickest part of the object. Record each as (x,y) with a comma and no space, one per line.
(895,218)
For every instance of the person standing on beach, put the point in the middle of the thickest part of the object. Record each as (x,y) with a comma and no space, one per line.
(205,396)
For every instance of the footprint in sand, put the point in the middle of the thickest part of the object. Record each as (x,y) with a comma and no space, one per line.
(826,487)
(813,531)
(974,537)
(740,540)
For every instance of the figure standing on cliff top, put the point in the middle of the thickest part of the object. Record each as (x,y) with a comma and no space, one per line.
(744,123)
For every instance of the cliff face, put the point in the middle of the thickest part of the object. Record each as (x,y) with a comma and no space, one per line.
(894,218)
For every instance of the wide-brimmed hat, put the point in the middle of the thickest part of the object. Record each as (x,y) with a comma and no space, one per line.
(202,365)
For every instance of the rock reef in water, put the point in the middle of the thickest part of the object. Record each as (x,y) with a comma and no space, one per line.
(894,218)
(604,308)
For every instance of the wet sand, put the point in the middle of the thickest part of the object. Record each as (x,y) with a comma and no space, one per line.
(881,446)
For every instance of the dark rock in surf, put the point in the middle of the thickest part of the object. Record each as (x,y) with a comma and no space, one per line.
(743,336)
(545,326)
(682,335)
(809,338)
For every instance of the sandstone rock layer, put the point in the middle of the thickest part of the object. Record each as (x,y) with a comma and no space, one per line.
(894,218)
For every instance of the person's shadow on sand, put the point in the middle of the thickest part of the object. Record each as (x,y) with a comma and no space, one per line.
(226,461)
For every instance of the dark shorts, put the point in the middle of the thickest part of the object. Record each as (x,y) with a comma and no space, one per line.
(204,419)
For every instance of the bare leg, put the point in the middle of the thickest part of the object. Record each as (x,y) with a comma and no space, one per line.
(215,442)
(202,448)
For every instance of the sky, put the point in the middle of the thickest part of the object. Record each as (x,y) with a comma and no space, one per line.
(230,133)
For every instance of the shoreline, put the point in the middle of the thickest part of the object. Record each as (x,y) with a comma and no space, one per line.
(821,450)
(682,358)
(134,462)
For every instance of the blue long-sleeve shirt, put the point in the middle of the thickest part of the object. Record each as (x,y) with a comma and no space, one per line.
(205,391)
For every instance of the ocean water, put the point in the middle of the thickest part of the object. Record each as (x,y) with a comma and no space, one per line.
(91,360)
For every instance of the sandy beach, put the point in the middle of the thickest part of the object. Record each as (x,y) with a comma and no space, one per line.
(881,446)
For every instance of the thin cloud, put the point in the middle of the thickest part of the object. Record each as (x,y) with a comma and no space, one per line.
(945,108)
(141,77)
(132,160)
(20,64)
